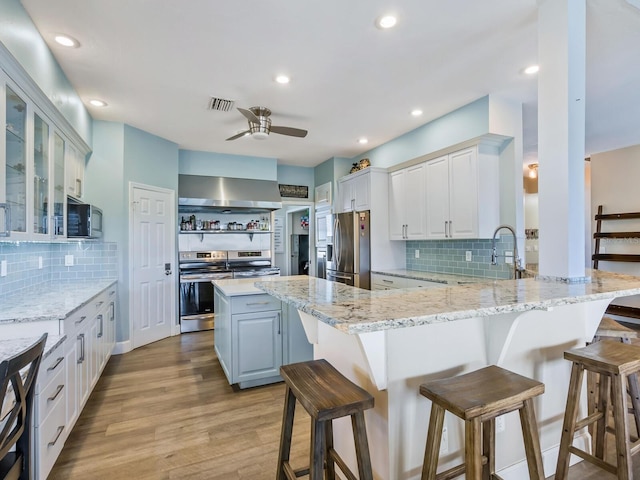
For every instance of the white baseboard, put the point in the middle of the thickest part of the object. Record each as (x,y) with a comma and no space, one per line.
(519,470)
(122,347)
(175,330)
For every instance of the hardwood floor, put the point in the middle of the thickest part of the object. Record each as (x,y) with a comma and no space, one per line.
(166,411)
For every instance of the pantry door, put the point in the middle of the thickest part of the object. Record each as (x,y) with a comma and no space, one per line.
(153,272)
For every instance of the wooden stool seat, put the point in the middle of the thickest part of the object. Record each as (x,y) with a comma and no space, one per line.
(478,398)
(614,362)
(609,328)
(326,395)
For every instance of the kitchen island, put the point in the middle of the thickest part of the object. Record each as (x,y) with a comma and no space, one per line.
(389,342)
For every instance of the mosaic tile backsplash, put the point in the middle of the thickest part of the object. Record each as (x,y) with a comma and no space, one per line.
(448,256)
(90,260)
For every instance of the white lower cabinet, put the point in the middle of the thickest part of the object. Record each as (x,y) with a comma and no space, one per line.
(68,375)
(253,337)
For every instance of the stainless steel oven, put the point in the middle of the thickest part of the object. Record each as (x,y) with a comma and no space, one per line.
(252,264)
(197,270)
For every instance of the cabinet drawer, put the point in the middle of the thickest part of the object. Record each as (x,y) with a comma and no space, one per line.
(412,283)
(51,393)
(50,436)
(50,367)
(254,303)
(78,320)
(385,282)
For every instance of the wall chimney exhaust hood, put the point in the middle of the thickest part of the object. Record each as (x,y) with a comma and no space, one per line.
(222,193)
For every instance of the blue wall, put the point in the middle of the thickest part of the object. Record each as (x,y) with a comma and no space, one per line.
(290,175)
(150,159)
(20,36)
(455,127)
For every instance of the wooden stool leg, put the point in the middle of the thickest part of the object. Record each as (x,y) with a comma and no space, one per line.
(330,471)
(472,449)
(316,460)
(531,440)
(592,398)
(362,446)
(434,437)
(489,448)
(599,441)
(286,432)
(569,423)
(619,400)
(634,392)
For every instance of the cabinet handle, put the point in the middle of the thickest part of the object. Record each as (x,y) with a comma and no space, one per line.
(279,323)
(112,292)
(81,338)
(78,322)
(55,395)
(450,232)
(112,312)
(99,304)
(7,219)
(100,332)
(55,365)
(387,281)
(60,430)
(78,187)
(257,303)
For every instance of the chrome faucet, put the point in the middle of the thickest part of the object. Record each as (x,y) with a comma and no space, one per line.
(517,264)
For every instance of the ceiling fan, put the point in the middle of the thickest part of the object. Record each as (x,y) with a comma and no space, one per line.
(260,125)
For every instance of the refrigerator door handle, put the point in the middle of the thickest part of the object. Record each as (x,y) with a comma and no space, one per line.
(336,240)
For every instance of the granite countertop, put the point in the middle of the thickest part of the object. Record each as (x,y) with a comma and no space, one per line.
(11,347)
(54,301)
(448,278)
(244,286)
(353,310)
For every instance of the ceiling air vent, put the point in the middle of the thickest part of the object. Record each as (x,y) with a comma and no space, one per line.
(220,104)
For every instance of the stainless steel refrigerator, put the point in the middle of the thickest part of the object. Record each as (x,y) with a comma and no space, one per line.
(350,259)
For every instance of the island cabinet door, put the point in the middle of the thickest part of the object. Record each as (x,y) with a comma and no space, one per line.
(257,345)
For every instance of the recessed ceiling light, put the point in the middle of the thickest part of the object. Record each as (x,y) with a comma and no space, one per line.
(386,21)
(98,103)
(416,112)
(532,69)
(282,79)
(66,41)
(363,140)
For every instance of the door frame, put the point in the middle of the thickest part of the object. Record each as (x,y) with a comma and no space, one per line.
(175,327)
(289,230)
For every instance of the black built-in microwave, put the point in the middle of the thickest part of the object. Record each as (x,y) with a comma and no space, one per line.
(83,220)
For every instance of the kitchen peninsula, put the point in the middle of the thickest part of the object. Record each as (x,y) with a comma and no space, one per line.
(389,342)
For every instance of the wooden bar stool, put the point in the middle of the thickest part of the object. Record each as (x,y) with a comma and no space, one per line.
(478,398)
(325,394)
(614,362)
(613,330)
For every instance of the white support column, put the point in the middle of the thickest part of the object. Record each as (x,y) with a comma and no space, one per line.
(561,137)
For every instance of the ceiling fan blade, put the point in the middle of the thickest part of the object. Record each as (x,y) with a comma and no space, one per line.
(241,134)
(292,132)
(249,115)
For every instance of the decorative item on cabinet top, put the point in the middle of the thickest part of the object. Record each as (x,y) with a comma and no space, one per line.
(361,165)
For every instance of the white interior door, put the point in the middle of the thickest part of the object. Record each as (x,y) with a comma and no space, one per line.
(152,260)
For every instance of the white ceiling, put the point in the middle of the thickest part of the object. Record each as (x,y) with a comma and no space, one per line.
(157,63)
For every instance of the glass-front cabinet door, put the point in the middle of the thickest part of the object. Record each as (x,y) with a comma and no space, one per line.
(40,193)
(15,181)
(58,194)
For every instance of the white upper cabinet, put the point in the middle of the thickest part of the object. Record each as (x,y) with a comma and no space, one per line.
(74,165)
(34,151)
(463,194)
(323,195)
(407,203)
(354,191)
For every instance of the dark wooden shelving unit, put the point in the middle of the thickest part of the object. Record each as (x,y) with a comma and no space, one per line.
(620,310)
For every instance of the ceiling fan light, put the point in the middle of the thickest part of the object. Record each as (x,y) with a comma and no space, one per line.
(532,69)
(282,79)
(259,135)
